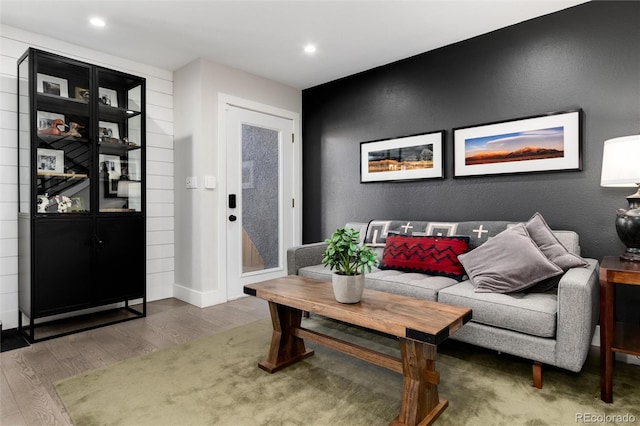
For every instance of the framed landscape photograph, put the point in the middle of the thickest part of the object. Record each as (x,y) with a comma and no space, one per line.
(52,85)
(550,142)
(403,159)
(50,161)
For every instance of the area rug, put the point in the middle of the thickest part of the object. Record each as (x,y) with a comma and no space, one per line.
(215,381)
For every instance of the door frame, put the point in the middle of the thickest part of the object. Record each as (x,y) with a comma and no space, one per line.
(224,101)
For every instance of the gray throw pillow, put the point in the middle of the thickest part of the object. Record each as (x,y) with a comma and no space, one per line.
(552,248)
(507,263)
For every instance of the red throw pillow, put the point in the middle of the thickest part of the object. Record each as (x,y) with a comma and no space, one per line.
(427,255)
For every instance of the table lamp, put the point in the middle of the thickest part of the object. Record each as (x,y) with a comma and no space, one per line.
(621,168)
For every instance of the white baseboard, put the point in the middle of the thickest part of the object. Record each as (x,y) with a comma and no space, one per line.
(629,359)
(201,299)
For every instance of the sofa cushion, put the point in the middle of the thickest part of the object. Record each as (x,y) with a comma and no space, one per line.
(427,255)
(509,262)
(544,285)
(533,314)
(407,283)
(319,272)
(477,231)
(569,239)
(552,248)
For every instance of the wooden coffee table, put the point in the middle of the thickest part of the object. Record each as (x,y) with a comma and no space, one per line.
(419,324)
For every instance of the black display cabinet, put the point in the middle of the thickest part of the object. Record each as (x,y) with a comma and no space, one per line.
(81,176)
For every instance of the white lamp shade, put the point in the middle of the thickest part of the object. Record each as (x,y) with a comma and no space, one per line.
(621,162)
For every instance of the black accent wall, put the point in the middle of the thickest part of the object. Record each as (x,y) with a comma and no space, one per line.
(585,57)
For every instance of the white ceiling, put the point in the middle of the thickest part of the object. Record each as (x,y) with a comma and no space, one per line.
(266,38)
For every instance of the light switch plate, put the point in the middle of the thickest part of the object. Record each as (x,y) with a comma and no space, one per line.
(210,182)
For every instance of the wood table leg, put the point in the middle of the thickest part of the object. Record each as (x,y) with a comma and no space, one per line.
(420,404)
(607,297)
(286,349)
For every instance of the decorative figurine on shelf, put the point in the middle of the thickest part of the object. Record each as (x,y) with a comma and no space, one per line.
(64,203)
(74,130)
(43,202)
(53,128)
(126,141)
(78,204)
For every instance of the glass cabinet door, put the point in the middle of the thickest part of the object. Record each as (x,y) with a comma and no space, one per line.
(120,131)
(62,143)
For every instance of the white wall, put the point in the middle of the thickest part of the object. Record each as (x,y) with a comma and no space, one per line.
(160,167)
(200,218)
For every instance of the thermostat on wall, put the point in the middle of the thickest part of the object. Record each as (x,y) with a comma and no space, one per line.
(192,182)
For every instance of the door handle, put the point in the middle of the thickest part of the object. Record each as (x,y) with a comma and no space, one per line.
(232,218)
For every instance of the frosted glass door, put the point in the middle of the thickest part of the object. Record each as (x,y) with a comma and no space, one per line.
(260,198)
(259,191)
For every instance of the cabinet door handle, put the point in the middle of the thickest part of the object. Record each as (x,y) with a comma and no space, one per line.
(97,240)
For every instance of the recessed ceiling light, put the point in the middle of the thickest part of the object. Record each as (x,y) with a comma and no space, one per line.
(310,48)
(97,22)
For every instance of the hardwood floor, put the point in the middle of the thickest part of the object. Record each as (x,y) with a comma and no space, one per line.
(27,394)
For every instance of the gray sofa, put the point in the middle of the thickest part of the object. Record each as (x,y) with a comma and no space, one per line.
(554,327)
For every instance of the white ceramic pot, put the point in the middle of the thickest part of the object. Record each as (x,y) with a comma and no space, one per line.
(348,288)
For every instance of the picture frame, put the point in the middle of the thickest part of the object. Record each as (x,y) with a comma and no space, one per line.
(51,85)
(542,143)
(108,97)
(406,158)
(108,132)
(110,172)
(46,119)
(50,161)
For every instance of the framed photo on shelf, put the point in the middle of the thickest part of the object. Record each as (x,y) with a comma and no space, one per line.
(108,132)
(52,85)
(403,159)
(108,97)
(110,172)
(50,161)
(49,122)
(549,142)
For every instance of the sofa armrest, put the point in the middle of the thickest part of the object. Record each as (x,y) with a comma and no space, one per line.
(578,312)
(304,255)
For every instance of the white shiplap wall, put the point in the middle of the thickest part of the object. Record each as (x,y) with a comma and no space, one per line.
(160,166)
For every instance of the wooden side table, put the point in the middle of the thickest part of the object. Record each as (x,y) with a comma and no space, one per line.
(618,337)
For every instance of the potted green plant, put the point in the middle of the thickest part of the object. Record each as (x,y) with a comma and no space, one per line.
(350,258)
